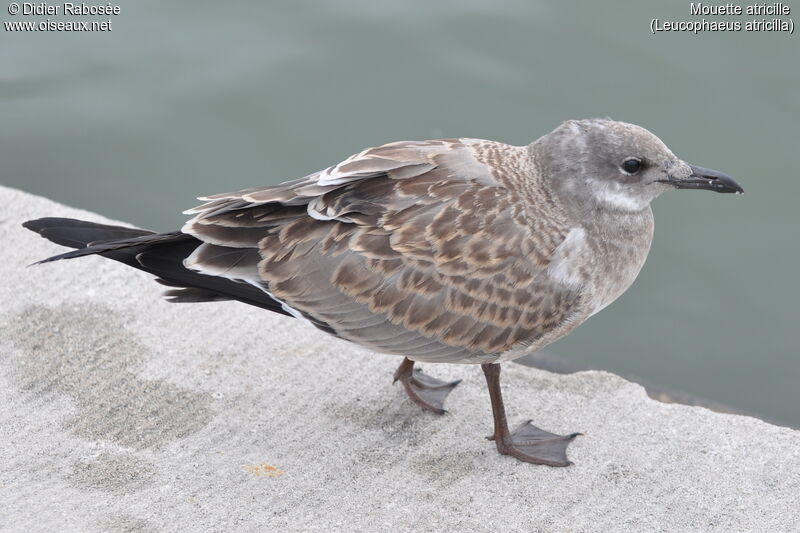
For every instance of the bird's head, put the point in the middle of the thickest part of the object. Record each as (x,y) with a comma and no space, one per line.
(602,163)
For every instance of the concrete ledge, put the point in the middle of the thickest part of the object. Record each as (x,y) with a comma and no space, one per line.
(121,412)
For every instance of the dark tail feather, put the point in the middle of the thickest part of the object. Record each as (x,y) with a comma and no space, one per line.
(161,254)
(80,233)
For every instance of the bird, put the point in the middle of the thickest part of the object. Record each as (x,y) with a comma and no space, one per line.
(454,250)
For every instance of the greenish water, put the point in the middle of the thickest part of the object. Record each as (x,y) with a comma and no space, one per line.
(186,98)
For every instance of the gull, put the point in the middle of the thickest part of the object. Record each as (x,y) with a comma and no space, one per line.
(442,251)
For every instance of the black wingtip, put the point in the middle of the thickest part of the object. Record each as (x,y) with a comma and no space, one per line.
(39,224)
(75,233)
(33,225)
(66,255)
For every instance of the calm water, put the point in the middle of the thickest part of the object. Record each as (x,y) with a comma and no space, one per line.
(186,98)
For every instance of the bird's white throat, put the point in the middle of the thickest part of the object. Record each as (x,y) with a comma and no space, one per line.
(615,196)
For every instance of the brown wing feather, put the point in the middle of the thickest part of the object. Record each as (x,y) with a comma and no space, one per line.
(418,249)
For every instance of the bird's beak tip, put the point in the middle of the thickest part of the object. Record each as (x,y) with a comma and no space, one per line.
(707,179)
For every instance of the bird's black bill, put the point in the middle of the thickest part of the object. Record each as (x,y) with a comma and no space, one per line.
(707,179)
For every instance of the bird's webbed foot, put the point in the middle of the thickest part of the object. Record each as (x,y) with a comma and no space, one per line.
(534,445)
(422,389)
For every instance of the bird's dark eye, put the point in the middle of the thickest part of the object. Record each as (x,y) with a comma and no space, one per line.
(632,165)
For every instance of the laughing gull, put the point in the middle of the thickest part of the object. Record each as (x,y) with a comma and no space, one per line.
(443,251)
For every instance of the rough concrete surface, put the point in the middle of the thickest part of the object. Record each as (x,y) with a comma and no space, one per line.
(121,412)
